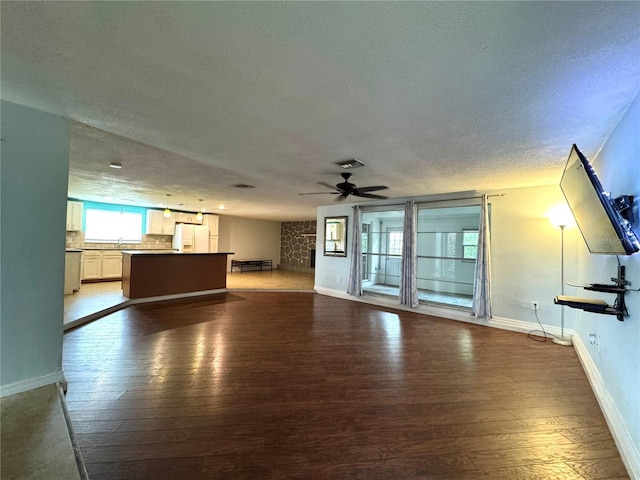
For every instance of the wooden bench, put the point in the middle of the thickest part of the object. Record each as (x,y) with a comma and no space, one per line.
(241,265)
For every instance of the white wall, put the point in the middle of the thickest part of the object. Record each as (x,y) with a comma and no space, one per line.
(249,239)
(617,363)
(333,272)
(35,168)
(525,253)
(526,266)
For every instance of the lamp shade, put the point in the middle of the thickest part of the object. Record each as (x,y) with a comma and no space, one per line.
(561,216)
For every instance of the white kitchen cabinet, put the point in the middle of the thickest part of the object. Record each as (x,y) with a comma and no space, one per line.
(101,264)
(158,224)
(211,221)
(91,265)
(182,217)
(74,216)
(111,265)
(72,271)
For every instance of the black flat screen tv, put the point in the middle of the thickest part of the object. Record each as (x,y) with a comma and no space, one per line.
(602,226)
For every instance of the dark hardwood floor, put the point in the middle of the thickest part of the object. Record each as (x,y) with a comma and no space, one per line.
(263,385)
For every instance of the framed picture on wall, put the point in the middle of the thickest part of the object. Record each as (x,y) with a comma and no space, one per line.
(335,236)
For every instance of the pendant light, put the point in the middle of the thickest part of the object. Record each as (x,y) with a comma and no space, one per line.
(167,212)
(199,216)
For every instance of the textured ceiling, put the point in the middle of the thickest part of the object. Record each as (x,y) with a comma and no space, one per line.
(434,97)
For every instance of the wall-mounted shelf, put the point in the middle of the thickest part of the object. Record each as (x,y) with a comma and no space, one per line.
(619,287)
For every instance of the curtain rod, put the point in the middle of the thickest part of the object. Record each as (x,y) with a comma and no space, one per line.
(434,201)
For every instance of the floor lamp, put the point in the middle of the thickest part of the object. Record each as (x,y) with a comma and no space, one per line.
(562,340)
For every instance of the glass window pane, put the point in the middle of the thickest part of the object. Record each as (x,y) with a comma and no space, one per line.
(112,226)
(470,252)
(395,243)
(447,244)
(470,245)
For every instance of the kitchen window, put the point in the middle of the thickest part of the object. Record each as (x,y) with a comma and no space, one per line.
(109,226)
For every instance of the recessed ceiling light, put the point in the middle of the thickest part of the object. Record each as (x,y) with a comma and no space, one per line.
(115,165)
(352,163)
(221,207)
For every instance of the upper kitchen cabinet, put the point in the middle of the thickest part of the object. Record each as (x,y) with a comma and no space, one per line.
(182,217)
(74,216)
(211,221)
(158,224)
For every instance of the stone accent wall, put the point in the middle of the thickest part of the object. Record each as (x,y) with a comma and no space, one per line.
(297,239)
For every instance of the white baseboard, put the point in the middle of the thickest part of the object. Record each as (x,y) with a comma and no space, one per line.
(380,301)
(628,449)
(31,383)
(450,313)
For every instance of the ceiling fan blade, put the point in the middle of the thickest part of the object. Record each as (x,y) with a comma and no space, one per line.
(369,195)
(372,188)
(320,193)
(341,197)
(332,187)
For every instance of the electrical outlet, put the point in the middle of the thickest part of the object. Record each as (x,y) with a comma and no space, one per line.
(535,306)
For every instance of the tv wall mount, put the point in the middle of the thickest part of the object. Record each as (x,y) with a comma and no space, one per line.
(623,205)
(618,287)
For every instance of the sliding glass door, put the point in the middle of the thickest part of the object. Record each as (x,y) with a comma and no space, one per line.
(447,247)
(381,252)
(447,241)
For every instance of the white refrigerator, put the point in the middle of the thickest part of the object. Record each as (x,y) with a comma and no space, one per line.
(190,238)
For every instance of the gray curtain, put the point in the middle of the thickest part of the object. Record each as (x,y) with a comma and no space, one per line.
(408,265)
(482,282)
(355,273)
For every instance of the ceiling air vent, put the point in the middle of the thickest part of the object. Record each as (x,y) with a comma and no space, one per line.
(353,163)
(244,186)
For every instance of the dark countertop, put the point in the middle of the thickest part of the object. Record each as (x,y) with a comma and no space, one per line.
(72,250)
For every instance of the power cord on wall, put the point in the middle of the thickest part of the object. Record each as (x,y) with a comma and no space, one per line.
(532,334)
(628,289)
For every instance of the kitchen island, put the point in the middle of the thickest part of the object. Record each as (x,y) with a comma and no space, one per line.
(157,274)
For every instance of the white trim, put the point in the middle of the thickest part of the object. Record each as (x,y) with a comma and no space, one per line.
(31,383)
(628,449)
(174,296)
(103,313)
(459,315)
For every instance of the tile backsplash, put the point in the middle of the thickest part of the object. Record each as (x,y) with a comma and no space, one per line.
(76,240)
